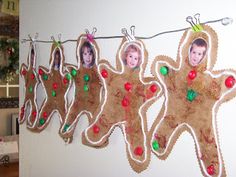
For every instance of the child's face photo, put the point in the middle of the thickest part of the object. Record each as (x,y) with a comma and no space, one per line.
(87,56)
(32,57)
(197,52)
(132,59)
(57,60)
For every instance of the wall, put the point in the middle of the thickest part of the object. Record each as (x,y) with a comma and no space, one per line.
(5,119)
(45,154)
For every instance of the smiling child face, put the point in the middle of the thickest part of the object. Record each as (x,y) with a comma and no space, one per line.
(132,59)
(196,54)
(87,56)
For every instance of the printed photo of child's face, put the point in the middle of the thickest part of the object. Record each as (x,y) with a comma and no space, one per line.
(32,57)
(197,52)
(57,60)
(132,59)
(132,56)
(87,56)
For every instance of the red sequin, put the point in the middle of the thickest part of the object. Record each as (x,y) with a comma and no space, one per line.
(65,80)
(45,114)
(125,102)
(55,85)
(211,170)
(23,72)
(128,86)
(153,88)
(104,73)
(34,113)
(32,76)
(229,82)
(192,74)
(138,151)
(96,129)
(41,72)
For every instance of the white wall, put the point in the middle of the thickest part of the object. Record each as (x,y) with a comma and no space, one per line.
(46,155)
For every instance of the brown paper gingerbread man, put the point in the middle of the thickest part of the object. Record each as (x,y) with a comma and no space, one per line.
(56,83)
(29,110)
(87,85)
(127,96)
(193,93)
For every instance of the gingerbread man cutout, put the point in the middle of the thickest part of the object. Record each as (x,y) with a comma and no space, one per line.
(127,96)
(31,83)
(56,83)
(87,85)
(193,93)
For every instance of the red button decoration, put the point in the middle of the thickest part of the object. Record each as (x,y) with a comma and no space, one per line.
(153,88)
(138,151)
(65,80)
(41,72)
(211,170)
(23,72)
(96,129)
(32,76)
(229,82)
(128,86)
(104,73)
(45,114)
(192,74)
(34,113)
(55,85)
(125,102)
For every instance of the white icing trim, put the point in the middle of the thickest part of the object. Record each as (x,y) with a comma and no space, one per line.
(122,123)
(184,124)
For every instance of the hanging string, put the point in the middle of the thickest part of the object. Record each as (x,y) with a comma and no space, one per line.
(224,21)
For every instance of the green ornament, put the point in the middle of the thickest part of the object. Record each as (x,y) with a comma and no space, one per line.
(197,28)
(155,145)
(68,76)
(41,121)
(164,70)
(66,127)
(86,77)
(191,95)
(86,88)
(54,93)
(73,72)
(31,89)
(45,77)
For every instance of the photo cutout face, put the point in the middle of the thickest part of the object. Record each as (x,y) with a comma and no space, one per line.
(197,51)
(57,60)
(87,55)
(132,56)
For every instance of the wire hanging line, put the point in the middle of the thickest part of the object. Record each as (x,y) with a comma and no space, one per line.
(194,22)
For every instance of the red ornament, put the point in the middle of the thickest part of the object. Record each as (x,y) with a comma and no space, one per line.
(23,72)
(211,170)
(125,102)
(128,86)
(34,113)
(229,82)
(96,129)
(32,76)
(41,72)
(65,80)
(192,74)
(138,151)
(55,85)
(153,88)
(45,114)
(10,51)
(104,73)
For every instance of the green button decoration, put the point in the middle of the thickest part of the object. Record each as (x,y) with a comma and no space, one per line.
(73,72)
(45,77)
(86,88)
(86,77)
(164,70)
(54,93)
(41,121)
(66,127)
(31,89)
(68,76)
(191,95)
(155,145)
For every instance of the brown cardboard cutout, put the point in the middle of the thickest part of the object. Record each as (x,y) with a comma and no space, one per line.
(56,83)
(87,85)
(126,98)
(31,79)
(193,94)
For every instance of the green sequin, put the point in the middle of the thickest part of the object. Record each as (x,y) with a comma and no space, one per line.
(191,95)
(45,77)
(41,121)
(86,77)
(86,88)
(73,72)
(164,70)
(54,93)
(68,76)
(30,89)
(155,145)
(66,127)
